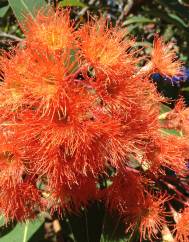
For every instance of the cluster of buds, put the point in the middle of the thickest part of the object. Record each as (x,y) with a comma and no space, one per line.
(76,105)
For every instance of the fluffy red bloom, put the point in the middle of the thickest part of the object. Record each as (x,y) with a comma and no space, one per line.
(182,226)
(75,145)
(168,151)
(19,201)
(18,198)
(74,106)
(126,194)
(72,196)
(164,60)
(110,58)
(14,69)
(53,31)
(178,118)
(137,207)
(41,84)
(152,216)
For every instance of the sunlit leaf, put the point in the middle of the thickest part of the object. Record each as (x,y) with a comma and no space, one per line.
(5,228)
(171,132)
(164,109)
(22,231)
(22,8)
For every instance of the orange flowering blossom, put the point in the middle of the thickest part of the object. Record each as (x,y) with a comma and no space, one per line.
(76,104)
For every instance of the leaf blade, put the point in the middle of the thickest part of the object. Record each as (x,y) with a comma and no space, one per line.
(22,8)
(71,3)
(3,11)
(23,231)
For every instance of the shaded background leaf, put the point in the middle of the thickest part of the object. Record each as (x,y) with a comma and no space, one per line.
(3,11)
(71,3)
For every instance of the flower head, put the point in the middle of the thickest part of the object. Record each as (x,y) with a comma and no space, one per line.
(53,31)
(152,216)
(182,226)
(75,105)
(105,49)
(19,201)
(164,60)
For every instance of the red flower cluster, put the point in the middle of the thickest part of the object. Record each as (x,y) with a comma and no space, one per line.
(74,104)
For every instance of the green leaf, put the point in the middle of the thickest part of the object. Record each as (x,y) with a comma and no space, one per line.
(176,6)
(87,225)
(171,132)
(5,228)
(164,109)
(184,2)
(174,17)
(22,231)
(113,228)
(3,11)
(169,18)
(185,89)
(137,19)
(71,3)
(22,8)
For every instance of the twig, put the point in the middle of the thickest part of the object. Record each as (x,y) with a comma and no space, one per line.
(126,10)
(55,4)
(52,2)
(183,3)
(86,224)
(10,36)
(84,10)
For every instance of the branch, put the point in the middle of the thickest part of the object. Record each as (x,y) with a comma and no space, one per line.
(84,10)
(10,36)
(183,3)
(126,10)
